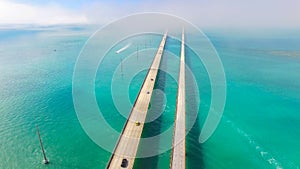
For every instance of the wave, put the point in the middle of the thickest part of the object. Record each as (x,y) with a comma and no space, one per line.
(266,155)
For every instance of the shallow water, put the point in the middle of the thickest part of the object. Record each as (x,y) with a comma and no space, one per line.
(259,129)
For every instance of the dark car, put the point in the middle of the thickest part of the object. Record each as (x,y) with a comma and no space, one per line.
(124,163)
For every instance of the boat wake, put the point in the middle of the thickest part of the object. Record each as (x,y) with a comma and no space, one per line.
(123,48)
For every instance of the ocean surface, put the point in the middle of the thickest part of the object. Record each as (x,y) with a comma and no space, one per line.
(260,127)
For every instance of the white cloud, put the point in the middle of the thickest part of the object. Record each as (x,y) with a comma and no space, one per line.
(215,13)
(17,13)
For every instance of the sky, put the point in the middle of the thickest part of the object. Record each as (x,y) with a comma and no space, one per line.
(209,13)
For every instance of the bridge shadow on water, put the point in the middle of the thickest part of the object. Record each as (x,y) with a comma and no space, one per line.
(194,150)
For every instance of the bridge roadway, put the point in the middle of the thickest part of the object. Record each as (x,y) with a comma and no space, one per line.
(126,148)
(178,151)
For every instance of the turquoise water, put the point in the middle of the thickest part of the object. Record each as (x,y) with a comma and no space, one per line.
(259,129)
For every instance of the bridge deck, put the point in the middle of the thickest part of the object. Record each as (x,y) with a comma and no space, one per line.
(127,145)
(178,153)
